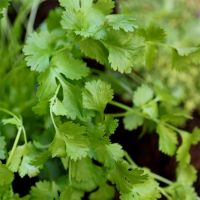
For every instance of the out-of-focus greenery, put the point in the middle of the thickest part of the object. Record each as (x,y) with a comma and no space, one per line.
(181,21)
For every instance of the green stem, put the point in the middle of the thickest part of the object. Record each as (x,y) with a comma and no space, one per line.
(120,105)
(24,133)
(162,191)
(32,17)
(14,146)
(161,179)
(155,176)
(52,101)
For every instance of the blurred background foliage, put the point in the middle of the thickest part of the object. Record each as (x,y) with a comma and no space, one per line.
(181,21)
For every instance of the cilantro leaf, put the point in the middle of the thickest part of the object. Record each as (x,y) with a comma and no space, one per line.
(39,49)
(125,50)
(75,139)
(106,6)
(132,122)
(91,19)
(142,95)
(167,139)
(147,190)
(71,105)
(2,147)
(70,67)
(153,33)
(44,190)
(105,192)
(26,167)
(125,178)
(109,154)
(71,193)
(121,21)
(17,157)
(87,174)
(94,49)
(6,176)
(96,95)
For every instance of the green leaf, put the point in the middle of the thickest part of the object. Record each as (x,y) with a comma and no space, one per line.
(58,147)
(142,95)
(151,109)
(105,192)
(26,167)
(97,95)
(82,18)
(6,176)
(44,190)
(125,50)
(186,174)
(86,173)
(71,193)
(182,58)
(94,49)
(71,105)
(105,6)
(111,124)
(2,148)
(121,21)
(109,154)
(150,54)
(3,4)
(179,191)
(12,121)
(40,159)
(132,122)
(153,33)
(39,49)
(70,67)
(125,178)
(183,155)
(17,158)
(76,140)
(147,190)
(167,139)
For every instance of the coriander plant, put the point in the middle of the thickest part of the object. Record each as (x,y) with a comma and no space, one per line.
(68,83)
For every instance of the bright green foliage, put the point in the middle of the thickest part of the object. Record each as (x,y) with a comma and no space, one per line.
(125,178)
(142,95)
(125,50)
(148,190)
(109,154)
(153,33)
(44,190)
(6,176)
(132,122)
(123,22)
(38,50)
(167,139)
(66,142)
(96,95)
(68,66)
(105,191)
(3,5)
(70,193)
(2,148)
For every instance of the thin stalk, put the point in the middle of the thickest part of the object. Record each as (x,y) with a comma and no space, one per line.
(162,191)
(52,101)
(30,24)
(161,179)
(155,176)
(14,146)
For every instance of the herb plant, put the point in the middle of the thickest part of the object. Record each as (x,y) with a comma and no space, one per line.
(56,107)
